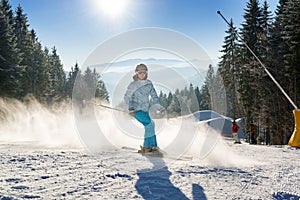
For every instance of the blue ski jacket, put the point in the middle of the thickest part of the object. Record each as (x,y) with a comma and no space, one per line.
(138,93)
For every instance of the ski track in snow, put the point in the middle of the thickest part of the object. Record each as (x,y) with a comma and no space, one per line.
(35,172)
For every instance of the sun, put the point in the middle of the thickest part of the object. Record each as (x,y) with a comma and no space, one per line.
(113,8)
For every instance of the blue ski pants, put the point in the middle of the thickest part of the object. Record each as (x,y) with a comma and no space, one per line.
(149,137)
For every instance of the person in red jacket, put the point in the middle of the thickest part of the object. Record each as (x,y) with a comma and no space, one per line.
(235,128)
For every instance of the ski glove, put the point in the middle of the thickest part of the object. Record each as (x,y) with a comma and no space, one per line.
(132,112)
(162,111)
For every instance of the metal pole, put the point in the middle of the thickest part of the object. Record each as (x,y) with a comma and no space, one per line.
(110,108)
(266,70)
(101,105)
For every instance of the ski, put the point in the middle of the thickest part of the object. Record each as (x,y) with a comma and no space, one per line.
(160,153)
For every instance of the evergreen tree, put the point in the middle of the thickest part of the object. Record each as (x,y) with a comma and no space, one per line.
(10,72)
(192,100)
(290,32)
(40,72)
(184,101)
(291,35)
(204,103)
(218,94)
(278,45)
(250,72)
(266,33)
(266,89)
(163,99)
(207,91)
(71,79)
(198,96)
(101,91)
(57,76)
(90,83)
(87,86)
(229,69)
(169,100)
(175,107)
(78,86)
(26,46)
(252,28)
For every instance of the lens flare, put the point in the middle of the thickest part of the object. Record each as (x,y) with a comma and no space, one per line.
(113,8)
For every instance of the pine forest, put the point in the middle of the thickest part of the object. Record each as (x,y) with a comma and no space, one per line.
(29,69)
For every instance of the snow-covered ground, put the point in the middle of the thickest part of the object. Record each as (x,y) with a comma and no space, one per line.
(55,167)
(29,172)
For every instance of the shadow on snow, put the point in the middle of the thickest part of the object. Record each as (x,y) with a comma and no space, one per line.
(283,195)
(155,183)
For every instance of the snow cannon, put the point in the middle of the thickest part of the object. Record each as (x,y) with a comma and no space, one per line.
(295,138)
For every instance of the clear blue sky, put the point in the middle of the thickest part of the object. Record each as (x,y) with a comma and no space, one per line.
(77,27)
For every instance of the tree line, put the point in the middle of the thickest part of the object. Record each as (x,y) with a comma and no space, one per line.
(183,102)
(275,39)
(189,99)
(28,68)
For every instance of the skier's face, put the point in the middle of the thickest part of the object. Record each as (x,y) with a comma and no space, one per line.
(142,74)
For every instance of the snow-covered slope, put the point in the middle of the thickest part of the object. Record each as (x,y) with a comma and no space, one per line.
(42,156)
(29,171)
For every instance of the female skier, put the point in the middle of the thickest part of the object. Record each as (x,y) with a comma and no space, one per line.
(137,100)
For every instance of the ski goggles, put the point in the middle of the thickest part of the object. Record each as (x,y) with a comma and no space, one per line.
(142,72)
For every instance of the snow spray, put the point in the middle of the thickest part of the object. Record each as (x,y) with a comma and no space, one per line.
(31,122)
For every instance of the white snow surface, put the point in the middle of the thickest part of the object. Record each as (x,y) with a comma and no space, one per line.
(42,158)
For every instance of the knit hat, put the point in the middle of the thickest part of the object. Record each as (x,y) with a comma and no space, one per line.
(141,67)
